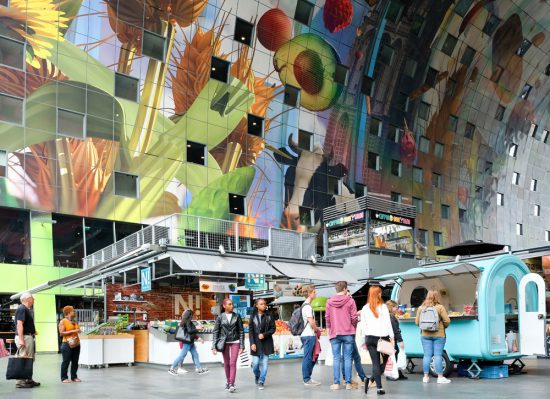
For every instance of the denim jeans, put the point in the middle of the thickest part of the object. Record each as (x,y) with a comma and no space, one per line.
(259,367)
(342,347)
(194,354)
(308,343)
(433,346)
(356,359)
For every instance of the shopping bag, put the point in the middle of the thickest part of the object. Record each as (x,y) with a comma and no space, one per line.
(391,368)
(19,367)
(401,360)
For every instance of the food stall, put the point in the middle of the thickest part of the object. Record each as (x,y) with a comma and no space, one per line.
(496,306)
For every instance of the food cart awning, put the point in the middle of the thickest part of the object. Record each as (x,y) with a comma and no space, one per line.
(288,299)
(313,272)
(420,273)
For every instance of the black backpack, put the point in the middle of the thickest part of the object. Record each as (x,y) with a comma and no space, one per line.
(296,325)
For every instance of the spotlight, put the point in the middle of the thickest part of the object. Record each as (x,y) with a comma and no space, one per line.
(313,259)
(221,249)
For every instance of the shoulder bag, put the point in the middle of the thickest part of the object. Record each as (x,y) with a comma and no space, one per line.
(385,347)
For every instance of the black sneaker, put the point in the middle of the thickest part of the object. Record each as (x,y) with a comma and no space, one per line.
(380,391)
(24,385)
(35,383)
(227,387)
(256,380)
(261,386)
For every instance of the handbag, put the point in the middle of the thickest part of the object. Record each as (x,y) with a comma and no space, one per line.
(19,367)
(220,344)
(73,341)
(182,335)
(385,347)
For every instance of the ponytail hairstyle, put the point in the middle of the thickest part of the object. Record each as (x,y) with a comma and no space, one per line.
(375,299)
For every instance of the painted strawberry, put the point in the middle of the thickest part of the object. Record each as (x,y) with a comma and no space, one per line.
(337,14)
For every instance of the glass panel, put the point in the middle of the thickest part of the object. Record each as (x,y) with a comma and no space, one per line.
(531,297)
(99,234)
(70,123)
(11,109)
(154,45)
(126,87)
(123,230)
(15,243)
(126,185)
(12,53)
(68,242)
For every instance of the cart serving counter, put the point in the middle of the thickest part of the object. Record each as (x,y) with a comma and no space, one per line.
(497,309)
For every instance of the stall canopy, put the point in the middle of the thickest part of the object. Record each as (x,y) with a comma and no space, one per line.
(313,272)
(420,273)
(288,299)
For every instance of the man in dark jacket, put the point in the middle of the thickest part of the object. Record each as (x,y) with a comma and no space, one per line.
(260,332)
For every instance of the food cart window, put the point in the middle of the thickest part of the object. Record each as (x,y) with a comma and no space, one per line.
(531,297)
(418,295)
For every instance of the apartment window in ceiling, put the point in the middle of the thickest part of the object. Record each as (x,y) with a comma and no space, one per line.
(126,87)
(394,11)
(237,204)
(462,7)
(417,202)
(523,47)
(244,31)
(70,123)
(68,240)
(547,235)
(334,185)
(385,55)
(423,237)
(468,56)
(396,197)
(547,70)
(439,150)
(449,45)
(499,116)
(438,239)
(491,25)
(544,137)
(255,125)
(410,67)
(424,110)
(126,185)
(462,215)
(196,153)
(373,161)
(15,241)
(533,186)
(431,77)
(367,86)
(153,45)
(515,178)
(123,229)
(417,25)
(424,144)
(375,127)
(418,174)
(500,199)
(403,101)
(519,229)
(304,12)
(479,192)
(292,96)
(12,53)
(360,190)
(525,91)
(98,234)
(533,130)
(305,140)
(396,168)
(453,123)
(450,88)
(341,74)
(536,210)
(513,151)
(488,167)
(306,216)
(11,109)
(445,211)
(219,69)
(3,163)
(469,130)
(437,180)
(394,134)
(497,73)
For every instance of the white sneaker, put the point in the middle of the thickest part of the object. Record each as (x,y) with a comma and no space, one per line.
(425,380)
(172,372)
(182,371)
(443,380)
(312,383)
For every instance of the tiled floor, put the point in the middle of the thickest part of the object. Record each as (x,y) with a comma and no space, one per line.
(284,381)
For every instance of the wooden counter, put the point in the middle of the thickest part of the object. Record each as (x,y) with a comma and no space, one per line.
(141,345)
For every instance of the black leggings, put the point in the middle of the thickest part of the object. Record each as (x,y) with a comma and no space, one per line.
(377,367)
(70,355)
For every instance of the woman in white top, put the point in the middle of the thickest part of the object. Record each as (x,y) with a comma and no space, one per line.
(376,324)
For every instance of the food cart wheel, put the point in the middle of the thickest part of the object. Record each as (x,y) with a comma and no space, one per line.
(448,366)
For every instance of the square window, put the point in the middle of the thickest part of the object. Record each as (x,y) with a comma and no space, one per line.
(533,130)
(437,180)
(237,204)
(375,127)
(341,74)
(519,229)
(12,53)
(403,101)
(11,109)
(462,215)
(479,192)
(126,185)
(396,167)
(306,216)
(451,87)
(394,134)
(439,150)
(396,197)
(3,163)
(488,167)
(536,210)
(431,77)
(445,211)
(525,91)
(153,46)
(424,145)
(515,178)
(394,11)
(417,25)
(449,45)
(497,73)
(491,25)
(305,140)
(424,110)
(523,47)
(469,130)
(544,137)
(500,199)
(438,239)
(373,161)
(196,153)
(219,69)
(534,183)
(126,87)
(385,55)
(513,150)
(244,31)
(304,11)
(5,3)
(423,237)
(367,86)
(462,7)
(418,175)
(453,123)
(360,190)
(334,185)
(70,123)
(547,70)
(468,56)
(547,235)
(410,67)
(255,125)
(417,202)
(292,96)
(499,116)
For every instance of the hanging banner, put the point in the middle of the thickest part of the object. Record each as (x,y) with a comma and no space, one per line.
(255,282)
(216,286)
(146,279)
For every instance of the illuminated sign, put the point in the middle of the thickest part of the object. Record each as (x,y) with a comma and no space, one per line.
(388,217)
(354,217)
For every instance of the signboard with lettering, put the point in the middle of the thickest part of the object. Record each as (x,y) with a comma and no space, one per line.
(146,279)
(216,286)
(354,217)
(255,282)
(391,218)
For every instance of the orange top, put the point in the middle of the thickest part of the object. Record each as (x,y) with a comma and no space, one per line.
(69,325)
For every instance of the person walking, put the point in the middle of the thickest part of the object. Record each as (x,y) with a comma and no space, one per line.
(392,307)
(376,325)
(432,318)
(341,321)
(188,345)
(229,339)
(308,336)
(25,332)
(260,332)
(70,347)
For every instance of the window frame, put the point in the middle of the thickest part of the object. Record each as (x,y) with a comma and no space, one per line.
(137,180)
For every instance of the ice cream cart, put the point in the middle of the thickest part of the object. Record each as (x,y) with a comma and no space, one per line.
(497,309)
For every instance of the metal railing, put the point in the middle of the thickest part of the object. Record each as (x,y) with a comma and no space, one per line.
(207,233)
(369,202)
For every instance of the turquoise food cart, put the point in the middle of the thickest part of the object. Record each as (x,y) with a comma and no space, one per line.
(497,310)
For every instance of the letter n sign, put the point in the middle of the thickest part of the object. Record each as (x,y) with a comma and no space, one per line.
(146,279)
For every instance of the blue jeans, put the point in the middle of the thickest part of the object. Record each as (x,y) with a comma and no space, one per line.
(356,359)
(194,354)
(308,343)
(259,367)
(342,346)
(433,347)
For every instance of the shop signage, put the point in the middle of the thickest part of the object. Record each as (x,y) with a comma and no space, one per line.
(390,218)
(146,279)
(255,282)
(216,286)
(354,217)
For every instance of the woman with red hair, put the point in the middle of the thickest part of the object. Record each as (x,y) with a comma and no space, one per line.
(376,325)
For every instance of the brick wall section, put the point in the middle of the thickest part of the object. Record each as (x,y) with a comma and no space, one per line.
(161,302)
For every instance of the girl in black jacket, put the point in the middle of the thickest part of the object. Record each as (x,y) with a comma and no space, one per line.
(187,344)
(229,339)
(392,307)
(260,332)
